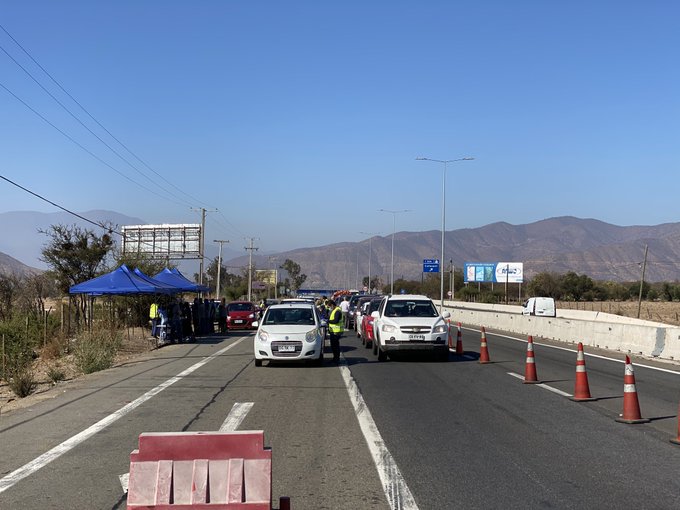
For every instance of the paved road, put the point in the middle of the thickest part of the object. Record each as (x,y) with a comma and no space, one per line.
(463,435)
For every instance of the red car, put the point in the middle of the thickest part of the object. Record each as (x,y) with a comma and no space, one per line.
(366,331)
(241,315)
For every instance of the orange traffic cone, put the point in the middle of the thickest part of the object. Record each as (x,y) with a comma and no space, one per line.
(448,322)
(631,406)
(530,376)
(459,341)
(581,388)
(484,350)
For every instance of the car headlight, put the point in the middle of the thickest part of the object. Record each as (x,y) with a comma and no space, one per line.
(311,336)
(388,328)
(251,316)
(439,329)
(263,336)
(370,323)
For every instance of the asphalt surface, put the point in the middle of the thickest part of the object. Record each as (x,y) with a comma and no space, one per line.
(463,435)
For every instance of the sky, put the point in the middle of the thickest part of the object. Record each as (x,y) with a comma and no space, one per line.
(295,122)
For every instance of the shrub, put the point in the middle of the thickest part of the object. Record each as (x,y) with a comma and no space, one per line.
(96,350)
(22,381)
(56,374)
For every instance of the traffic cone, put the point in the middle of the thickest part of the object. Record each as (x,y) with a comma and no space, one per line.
(459,341)
(530,376)
(631,406)
(581,388)
(450,337)
(676,440)
(484,350)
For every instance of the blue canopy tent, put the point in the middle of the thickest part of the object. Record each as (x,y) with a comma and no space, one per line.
(158,283)
(178,280)
(121,282)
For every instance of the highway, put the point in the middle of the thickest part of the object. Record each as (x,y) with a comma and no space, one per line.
(453,434)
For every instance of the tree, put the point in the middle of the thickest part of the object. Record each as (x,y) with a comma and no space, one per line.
(545,284)
(293,269)
(75,255)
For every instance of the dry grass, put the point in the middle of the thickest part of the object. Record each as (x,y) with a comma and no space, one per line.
(657,311)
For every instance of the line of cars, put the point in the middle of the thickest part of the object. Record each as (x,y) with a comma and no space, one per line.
(294,330)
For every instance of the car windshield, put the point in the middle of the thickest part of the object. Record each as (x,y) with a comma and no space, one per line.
(398,308)
(289,316)
(373,306)
(240,307)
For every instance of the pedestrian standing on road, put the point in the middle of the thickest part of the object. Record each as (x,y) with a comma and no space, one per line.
(335,329)
(222,316)
(153,315)
(344,306)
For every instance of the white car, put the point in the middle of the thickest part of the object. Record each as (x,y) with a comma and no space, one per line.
(409,322)
(289,332)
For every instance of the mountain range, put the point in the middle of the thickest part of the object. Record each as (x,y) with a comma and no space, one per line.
(587,246)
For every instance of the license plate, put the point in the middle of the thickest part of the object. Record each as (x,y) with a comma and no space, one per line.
(416,337)
(286,348)
(238,321)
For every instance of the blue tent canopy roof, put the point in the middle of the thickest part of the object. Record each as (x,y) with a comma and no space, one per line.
(120,281)
(177,279)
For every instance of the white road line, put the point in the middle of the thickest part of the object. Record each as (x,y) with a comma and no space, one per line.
(659,369)
(549,388)
(398,494)
(47,457)
(238,412)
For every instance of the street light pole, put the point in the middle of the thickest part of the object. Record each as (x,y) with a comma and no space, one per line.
(219,264)
(446,162)
(370,250)
(394,227)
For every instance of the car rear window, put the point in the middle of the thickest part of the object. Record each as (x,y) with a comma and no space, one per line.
(290,316)
(405,308)
(240,307)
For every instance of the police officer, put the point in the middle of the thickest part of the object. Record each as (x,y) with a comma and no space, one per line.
(335,329)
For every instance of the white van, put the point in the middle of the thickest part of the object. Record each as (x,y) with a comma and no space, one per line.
(544,306)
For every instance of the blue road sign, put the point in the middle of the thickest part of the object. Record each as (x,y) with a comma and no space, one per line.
(430,265)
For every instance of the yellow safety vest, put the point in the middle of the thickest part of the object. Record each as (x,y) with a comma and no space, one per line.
(338,327)
(153,311)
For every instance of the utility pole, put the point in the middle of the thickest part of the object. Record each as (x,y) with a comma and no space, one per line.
(201,242)
(250,265)
(219,264)
(642,280)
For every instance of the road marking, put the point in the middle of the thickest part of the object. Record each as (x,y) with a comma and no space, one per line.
(398,494)
(659,369)
(549,388)
(56,452)
(238,412)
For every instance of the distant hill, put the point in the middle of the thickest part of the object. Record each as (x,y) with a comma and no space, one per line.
(586,246)
(10,265)
(20,239)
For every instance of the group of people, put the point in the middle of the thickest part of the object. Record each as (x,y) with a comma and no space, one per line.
(181,321)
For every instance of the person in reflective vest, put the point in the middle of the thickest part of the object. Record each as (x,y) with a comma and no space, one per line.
(335,329)
(153,315)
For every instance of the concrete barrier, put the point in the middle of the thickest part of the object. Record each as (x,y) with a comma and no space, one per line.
(597,329)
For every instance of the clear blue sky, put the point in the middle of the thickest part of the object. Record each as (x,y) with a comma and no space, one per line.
(299,120)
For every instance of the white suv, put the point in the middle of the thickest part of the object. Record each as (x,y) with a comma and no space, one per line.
(409,322)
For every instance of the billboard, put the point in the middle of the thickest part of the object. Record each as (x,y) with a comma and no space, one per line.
(267,276)
(162,241)
(494,272)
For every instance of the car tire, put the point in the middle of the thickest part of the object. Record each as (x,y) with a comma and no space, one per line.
(375,346)
(382,355)
(369,344)
(258,362)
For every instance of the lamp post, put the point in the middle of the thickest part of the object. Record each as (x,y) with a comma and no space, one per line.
(219,264)
(446,162)
(394,226)
(370,250)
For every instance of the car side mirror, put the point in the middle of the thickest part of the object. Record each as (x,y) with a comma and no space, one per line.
(446,315)
(375,315)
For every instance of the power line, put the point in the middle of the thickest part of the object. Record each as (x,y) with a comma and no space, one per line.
(92,117)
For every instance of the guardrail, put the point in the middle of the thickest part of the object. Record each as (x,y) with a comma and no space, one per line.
(597,329)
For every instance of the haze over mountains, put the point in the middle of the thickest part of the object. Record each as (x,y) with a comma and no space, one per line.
(587,246)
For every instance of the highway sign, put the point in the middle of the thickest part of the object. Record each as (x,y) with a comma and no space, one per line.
(430,265)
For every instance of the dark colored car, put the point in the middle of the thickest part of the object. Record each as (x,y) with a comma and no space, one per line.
(241,315)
